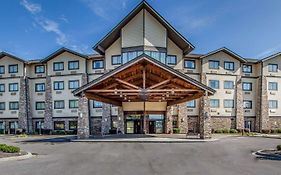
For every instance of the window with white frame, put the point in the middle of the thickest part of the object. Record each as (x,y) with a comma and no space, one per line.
(228,103)
(247,68)
(247,86)
(13,87)
(116,59)
(247,104)
(273,104)
(229,65)
(228,84)
(214,103)
(273,86)
(73,84)
(58,85)
(272,67)
(215,84)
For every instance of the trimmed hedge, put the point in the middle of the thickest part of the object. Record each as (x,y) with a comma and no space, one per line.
(176,130)
(278,147)
(233,131)
(9,148)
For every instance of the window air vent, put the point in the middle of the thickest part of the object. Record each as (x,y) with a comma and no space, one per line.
(74,110)
(228,92)
(188,71)
(247,74)
(0,76)
(39,75)
(58,111)
(247,110)
(13,112)
(272,93)
(247,92)
(13,93)
(228,111)
(190,110)
(40,93)
(1,94)
(73,72)
(99,71)
(214,71)
(1,112)
(58,73)
(272,111)
(213,110)
(99,110)
(58,92)
(12,75)
(40,112)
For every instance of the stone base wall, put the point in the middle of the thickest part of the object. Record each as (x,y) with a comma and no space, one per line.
(96,125)
(193,124)
(275,122)
(223,122)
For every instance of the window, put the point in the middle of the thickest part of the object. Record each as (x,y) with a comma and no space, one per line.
(14,105)
(228,85)
(40,105)
(272,67)
(228,103)
(160,56)
(72,125)
(189,64)
(39,87)
(247,86)
(13,87)
(273,104)
(98,64)
(59,125)
(2,69)
(191,104)
(58,66)
(215,84)
(247,68)
(2,105)
(13,68)
(128,56)
(228,65)
(58,85)
(59,104)
(2,87)
(247,104)
(73,104)
(39,69)
(73,84)
(116,59)
(214,103)
(97,104)
(214,64)
(39,125)
(171,59)
(73,65)
(273,86)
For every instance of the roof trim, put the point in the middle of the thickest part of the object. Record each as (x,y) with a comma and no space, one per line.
(270,57)
(60,51)
(2,54)
(228,51)
(134,61)
(124,21)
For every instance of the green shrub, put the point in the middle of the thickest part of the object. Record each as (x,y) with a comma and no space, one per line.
(1,131)
(278,147)
(225,130)
(218,131)
(265,131)
(233,131)
(176,130)
(9,148)
(58,132)
(278,130)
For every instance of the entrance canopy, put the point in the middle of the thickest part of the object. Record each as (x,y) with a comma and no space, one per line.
(144,79)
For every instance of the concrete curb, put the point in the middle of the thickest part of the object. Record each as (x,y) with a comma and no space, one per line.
(23,157)
(261,154)
(142,141)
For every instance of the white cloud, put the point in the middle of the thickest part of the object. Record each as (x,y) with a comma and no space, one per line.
(52,26)
(104,8)
(31,7)
(269,51)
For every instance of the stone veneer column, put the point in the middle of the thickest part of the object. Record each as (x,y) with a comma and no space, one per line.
(48,115)
(262,120)
(183,118)
(239,104)
(23,104)
(169,121)
(205,129)
(106,122)
(83,124)
(120,119)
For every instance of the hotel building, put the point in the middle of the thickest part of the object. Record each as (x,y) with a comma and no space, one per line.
(136,83)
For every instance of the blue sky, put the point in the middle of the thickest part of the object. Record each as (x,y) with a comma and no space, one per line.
(33,29)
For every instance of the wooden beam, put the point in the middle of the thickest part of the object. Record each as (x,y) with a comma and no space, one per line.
(159,84)
(173,90)
(143,77)
(113,90)
(92,96)
(126,83)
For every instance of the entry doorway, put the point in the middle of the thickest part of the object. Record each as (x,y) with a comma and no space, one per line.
(156,123)
(134,124)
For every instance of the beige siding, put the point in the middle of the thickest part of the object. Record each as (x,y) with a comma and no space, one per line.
(251,95)
(155,33)
(132,33)
(36,97)
(114,49)
(276,60)
(173,49)
(6,61)
(31,71)
(274,95)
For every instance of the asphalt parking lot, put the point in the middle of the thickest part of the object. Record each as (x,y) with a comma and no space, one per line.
(229,156)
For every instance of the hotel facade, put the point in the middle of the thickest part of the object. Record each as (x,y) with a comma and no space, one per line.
(141,80)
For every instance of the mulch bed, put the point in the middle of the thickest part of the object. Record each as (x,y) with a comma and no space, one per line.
(2,154)
(272,152)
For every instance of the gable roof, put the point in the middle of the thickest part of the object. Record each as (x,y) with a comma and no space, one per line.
(135,61)
(227,51)
(270,57)
(2,54)
(60,51)
(174,35)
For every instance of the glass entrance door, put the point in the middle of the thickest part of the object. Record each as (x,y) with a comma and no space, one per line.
(156,123)
(134,124)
